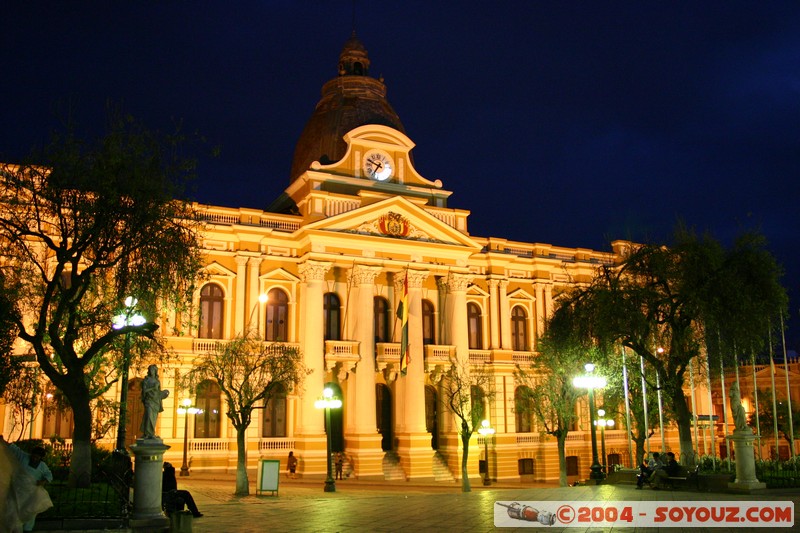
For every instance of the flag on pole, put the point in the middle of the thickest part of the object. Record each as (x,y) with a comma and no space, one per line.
(402,314)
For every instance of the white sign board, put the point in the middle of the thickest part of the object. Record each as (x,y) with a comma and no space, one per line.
(269,473)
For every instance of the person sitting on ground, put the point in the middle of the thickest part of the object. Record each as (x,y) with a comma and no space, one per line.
(172,497)
(671,469)
(339,464)
(646,471)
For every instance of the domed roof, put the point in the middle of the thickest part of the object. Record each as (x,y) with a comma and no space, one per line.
(348,101)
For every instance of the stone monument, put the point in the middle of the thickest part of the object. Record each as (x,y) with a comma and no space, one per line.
(743,437)
(149,459)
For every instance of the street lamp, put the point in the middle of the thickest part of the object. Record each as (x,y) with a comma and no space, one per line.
(591,382)
(603,423)
(486,431)
(186,409)
(128,318)
(328,402)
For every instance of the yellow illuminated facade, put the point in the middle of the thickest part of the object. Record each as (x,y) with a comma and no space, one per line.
(323,268)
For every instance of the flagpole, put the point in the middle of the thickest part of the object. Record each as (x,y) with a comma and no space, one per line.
(774,399)
(627,407)
(788,390)
(644,403)
(694,413)
(755,397)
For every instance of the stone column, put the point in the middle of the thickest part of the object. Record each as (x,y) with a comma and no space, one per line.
(494,320)
(746,480)
(148,460)
(311,438)
(414,441)
(457,285)
(505,317)
(241,296)
(364,444)
(253,322)
(540,312)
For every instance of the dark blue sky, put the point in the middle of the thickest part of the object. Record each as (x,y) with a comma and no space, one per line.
(571,123)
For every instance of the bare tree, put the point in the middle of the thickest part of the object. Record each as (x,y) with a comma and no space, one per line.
(548,394)
(82,226)
(466,392)
(249,372)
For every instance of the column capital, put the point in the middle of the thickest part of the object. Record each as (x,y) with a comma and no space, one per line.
(241,260)
(459,282)
(313,270)
(364,275)
(254,262)
(415,279)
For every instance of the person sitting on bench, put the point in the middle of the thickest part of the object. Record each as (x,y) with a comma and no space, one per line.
(173,499)
(646,470)
(671,469)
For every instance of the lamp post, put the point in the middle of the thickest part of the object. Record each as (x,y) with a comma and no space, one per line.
(591,382)
(328,402)
(128,318)
(186,409)
(603,423)
(486,431)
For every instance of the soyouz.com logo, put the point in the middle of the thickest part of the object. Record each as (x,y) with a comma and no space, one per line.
(747,514)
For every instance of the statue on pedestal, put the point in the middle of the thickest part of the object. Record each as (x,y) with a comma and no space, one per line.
(739,416)
(152,397)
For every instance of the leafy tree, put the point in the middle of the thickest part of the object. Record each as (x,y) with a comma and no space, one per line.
(21,395)
(690,297)
(83,225)
(248,371)
(547,391)
(766,418)
(10,365)
(465,392)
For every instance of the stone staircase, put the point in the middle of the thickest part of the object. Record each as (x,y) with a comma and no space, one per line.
(440,470)
(392,471)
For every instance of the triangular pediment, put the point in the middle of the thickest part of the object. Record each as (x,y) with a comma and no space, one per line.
(279,274)
(780,372)
(474,290)
(215,269)
(521,294)
(394,218)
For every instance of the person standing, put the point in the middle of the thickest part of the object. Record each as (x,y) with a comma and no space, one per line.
(26,496)
(291,464)
(339,464)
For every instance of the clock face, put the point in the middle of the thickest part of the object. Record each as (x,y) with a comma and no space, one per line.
(378,165)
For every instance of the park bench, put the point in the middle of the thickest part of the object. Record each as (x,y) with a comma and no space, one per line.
(684,478)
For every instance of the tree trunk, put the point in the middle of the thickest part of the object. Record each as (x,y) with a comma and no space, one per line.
(80,467)
(683,419)
(562,460)
(465,486)
(242,483)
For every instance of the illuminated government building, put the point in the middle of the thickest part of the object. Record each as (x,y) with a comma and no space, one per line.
(323,268)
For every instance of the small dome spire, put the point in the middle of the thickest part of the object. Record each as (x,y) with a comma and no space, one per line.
(353,61)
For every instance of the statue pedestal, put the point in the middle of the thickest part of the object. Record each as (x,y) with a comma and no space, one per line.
(148,463)
(746,480)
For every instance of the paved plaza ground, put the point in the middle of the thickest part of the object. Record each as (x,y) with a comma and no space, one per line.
(356,506)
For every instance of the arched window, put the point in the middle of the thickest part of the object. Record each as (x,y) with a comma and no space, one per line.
(206,423)
(211,309)
(474,326)
(275,414)
(333,309)
(519,329)
(276,329)
(522,409)
(428,323)
(381,318)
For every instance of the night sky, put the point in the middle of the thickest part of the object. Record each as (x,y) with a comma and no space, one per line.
(570,123)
